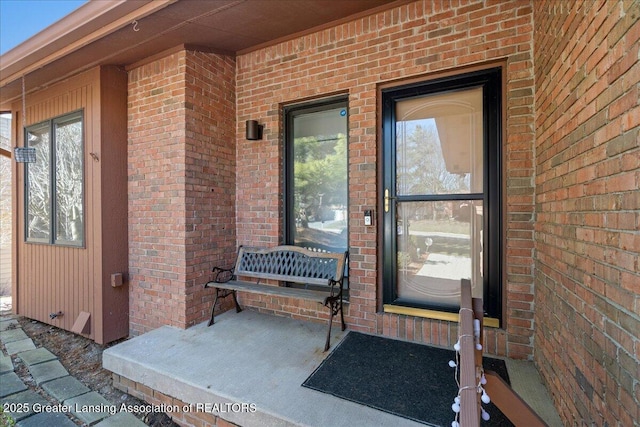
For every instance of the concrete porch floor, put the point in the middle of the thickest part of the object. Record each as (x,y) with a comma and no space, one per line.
(252,358)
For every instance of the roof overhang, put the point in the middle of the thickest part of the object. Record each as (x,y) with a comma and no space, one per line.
(124,32)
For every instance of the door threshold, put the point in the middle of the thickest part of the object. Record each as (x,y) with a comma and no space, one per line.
(434,314)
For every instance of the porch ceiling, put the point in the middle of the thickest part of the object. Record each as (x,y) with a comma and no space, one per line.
(123,32)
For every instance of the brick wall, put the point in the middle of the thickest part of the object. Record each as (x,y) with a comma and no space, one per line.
(182,413)
(181,185)
(210,175)
(419,39)
(588,208)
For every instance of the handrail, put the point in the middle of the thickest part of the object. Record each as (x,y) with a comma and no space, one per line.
(511,405)
(469,372)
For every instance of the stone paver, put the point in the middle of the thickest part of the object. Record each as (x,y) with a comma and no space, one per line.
(121,419)
(47,371)
(30,409)
(47,419)
(65,388)
(16,347)
(39,355)
(6,365)
(10,383)
(21,405)
(90,407)
(11,335)
(8,324)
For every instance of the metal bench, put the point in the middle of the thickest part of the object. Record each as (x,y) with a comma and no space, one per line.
(286,265)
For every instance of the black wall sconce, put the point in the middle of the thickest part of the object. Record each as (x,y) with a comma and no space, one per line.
(254,130)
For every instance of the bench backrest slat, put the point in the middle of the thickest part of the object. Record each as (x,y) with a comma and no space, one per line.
(290,264)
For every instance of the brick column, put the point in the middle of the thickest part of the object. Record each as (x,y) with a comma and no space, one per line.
(181,119)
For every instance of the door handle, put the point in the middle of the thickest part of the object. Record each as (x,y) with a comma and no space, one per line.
(386,200)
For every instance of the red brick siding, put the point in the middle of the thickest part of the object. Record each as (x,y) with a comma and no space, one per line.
(181,185)
(415,40)
(211,175)
(588,208)
(193,417)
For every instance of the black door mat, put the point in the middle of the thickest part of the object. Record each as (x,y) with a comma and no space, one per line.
(405,379)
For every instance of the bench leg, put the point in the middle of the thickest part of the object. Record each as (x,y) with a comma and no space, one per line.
(328,343)
(342,315)
(223,294)
(213,307)
(334,304)
(235,301)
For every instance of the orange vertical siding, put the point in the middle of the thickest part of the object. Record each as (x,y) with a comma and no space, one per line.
(54,278)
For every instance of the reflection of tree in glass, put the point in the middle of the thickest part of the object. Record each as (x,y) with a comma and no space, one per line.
(320,192)
(69,173)
(320,175)
(68,178)
(39,185)
(421,167)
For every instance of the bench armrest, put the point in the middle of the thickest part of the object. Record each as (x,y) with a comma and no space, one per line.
(335,285)
(220,275)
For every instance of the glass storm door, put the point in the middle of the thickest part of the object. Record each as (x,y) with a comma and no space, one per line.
(440,143)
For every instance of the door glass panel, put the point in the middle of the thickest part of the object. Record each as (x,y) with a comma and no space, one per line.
(320,179)
(438,244)
(439,154)
(439,144)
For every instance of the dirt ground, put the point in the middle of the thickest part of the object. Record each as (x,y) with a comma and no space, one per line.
(83,359)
